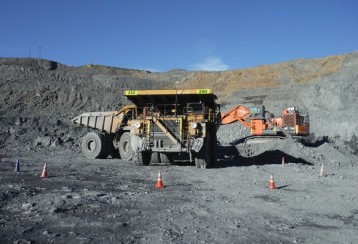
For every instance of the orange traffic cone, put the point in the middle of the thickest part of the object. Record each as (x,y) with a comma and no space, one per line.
(159,181)
(44,172)
(272,183)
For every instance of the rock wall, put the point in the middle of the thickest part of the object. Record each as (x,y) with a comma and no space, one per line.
(39,93)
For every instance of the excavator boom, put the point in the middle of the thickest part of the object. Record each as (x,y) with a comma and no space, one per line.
(239,113)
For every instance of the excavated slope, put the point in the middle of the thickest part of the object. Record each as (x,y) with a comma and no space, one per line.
(39,97)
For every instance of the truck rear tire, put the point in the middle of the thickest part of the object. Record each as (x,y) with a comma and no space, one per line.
(94,146)
(125,149)
(142,158)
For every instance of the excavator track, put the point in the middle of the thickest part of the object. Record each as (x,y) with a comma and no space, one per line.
(263,139)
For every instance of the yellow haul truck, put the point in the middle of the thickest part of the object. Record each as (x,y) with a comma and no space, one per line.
(163,122)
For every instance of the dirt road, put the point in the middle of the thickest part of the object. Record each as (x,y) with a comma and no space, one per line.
(113,201)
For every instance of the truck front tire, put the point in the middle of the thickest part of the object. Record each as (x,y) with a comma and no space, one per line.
(142,158)
(94,146)
(125,149)
(206,157)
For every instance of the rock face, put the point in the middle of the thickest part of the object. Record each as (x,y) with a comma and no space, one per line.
(35,94)
(329,99)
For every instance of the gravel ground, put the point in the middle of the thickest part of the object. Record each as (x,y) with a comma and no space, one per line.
(96,201)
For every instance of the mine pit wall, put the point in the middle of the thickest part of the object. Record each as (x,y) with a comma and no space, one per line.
(331,102)
(38,98)
(42,94)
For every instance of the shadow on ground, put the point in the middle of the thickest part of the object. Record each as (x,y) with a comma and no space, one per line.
(228,156)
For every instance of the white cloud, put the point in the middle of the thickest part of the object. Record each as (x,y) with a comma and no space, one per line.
(211,64)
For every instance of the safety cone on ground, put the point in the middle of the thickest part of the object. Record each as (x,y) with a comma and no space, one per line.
(272,183)
(159,181)
(44,171)
(283,162)
(321,172)
(17,166)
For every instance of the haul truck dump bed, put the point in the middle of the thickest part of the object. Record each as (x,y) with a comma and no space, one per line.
(163,122)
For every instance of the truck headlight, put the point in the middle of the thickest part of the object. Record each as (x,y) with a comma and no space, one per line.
(194,125)
(137,125)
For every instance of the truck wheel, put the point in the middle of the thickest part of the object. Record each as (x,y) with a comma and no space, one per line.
(202,160)
(142,158)
(213,146)
(125,149)
(94,146)
(155,158)
(166,158)
(206,157)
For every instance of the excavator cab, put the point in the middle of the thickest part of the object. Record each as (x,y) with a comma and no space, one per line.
(257,112)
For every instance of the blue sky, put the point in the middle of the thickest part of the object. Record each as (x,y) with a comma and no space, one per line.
(160,35)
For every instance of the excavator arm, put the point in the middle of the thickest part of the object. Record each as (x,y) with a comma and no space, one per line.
(239,113)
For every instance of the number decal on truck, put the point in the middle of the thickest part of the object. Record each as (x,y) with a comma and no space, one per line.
(203,91)
(130,92)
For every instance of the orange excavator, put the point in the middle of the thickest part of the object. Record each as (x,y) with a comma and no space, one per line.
(263,124)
